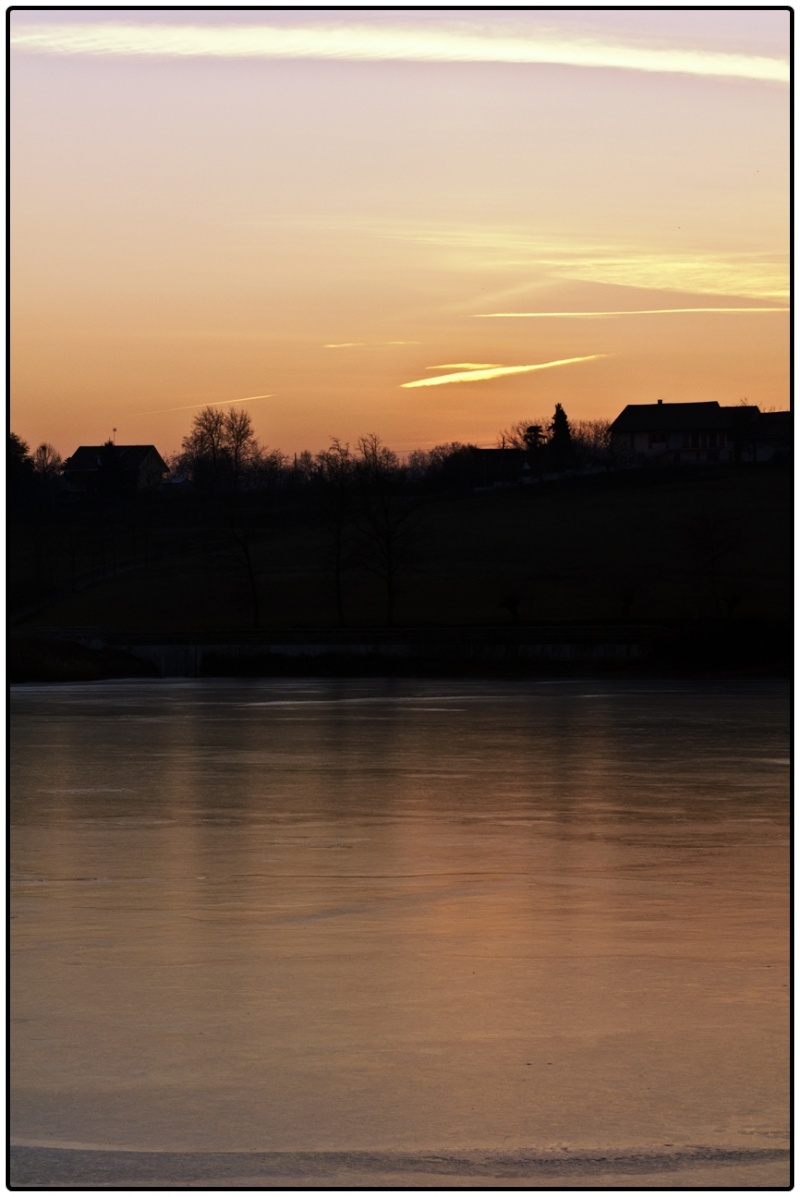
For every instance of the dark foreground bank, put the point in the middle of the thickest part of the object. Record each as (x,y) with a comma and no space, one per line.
(696,648)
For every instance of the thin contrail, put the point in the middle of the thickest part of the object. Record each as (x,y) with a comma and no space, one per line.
(191,406)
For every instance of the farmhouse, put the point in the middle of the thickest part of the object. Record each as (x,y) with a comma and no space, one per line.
(699,432)
(110,467)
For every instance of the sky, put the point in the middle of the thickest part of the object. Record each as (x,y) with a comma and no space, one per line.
(424,224)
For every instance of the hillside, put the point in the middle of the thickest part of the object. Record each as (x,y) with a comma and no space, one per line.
(697,543)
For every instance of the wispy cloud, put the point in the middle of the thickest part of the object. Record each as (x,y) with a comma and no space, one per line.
(193,406)
(757,274)
(365,344)
(498,372)
(369,42)
(604,315)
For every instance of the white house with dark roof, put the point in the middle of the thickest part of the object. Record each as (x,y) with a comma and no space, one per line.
(699,432)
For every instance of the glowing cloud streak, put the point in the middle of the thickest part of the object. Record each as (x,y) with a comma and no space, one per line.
(371,42)
(366,344)
(498,372)
(192,406)
(603,315)
(757,275)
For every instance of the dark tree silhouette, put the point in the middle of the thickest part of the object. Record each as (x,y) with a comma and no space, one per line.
(336,474)
(19,463)
(518,435)
(220,449)
(47,462)
(560,448)
(592,442)
(533,438)
(444,467)
(386,523)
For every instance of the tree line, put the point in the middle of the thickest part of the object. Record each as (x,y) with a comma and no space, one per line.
(368,503)
(352,525)
(222,453)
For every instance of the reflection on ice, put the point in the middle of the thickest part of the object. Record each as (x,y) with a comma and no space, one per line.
(399,917)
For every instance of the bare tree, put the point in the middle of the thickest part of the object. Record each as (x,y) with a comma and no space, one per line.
(221,447)
(336,472)
(521,433)
(592,441)
(715,538)
(47,461)
(238,442)
(443,464)
(203,448)
(386,521)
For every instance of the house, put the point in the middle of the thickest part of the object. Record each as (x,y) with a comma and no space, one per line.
(774,435)
(699,432)
(113,468)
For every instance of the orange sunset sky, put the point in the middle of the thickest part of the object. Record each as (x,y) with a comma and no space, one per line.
(311,211)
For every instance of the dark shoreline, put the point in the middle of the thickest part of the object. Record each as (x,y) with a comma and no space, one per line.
(685,649)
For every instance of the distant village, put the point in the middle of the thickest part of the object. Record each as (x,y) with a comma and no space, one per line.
(222,451)
(671,515)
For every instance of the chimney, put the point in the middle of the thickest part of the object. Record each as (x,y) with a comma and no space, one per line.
(660,402)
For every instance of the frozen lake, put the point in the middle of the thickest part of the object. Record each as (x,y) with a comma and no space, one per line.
(423,927)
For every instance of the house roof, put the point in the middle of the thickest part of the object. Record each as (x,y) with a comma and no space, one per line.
(678,417)
(90,457)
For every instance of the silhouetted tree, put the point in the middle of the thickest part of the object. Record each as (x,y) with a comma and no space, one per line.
(443,466)
(267,469)
(385,522)
(335,480)
(220,449)
(714,538)
(304,469)
(236,547)
(239,443)
(533,438)
(592,442)
(204,442)
(560,449)
(19,466)
(336,475)
(47,462)
(518,436)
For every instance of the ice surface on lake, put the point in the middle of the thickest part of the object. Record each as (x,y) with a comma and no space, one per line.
(401,916)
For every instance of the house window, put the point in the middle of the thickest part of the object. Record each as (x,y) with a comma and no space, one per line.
(658,438)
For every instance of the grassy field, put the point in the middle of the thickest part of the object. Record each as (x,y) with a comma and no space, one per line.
(702,543)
